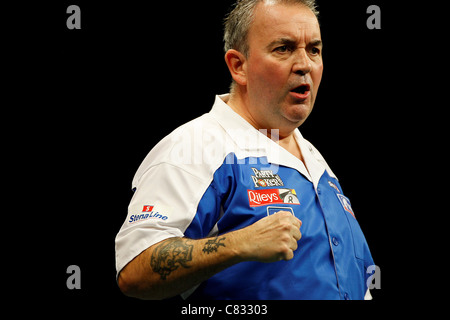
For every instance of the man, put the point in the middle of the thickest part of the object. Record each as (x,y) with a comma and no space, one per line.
(237,204)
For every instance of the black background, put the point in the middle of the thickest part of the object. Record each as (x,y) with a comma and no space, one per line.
(88,105)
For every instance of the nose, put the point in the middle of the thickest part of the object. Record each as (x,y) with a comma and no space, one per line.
(302,63)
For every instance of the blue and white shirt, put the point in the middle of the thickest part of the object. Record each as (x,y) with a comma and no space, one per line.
(216,174)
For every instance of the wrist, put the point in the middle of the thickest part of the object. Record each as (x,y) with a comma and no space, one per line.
(239,245)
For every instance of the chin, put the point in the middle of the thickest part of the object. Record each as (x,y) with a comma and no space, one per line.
(297,114)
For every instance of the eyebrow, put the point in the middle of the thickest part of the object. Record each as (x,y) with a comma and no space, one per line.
(316,43)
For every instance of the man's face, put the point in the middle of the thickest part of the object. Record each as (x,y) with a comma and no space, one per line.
(284,65)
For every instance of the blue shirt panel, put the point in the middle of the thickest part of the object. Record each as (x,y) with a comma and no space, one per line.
(332,255)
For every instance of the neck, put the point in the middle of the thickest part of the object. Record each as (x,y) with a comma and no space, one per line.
(239,103)
(284,137)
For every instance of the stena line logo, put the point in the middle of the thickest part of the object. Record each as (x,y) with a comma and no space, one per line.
(258,198)
(147,213)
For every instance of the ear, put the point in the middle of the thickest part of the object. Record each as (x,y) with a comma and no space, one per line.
(237,64)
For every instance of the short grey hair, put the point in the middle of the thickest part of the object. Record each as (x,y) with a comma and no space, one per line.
(237,23)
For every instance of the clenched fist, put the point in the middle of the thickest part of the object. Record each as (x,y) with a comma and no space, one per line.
(270,239)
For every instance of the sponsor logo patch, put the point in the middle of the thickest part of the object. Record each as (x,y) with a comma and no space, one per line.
(147,213)
(272,210)
(258,198)
(147,208)
(266,178)
(346,204)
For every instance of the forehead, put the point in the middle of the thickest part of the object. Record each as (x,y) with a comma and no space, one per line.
(273,21)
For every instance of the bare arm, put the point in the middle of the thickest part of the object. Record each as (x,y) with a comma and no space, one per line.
(174,265)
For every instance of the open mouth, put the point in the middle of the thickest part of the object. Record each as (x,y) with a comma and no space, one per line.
(301,92)
(302,89)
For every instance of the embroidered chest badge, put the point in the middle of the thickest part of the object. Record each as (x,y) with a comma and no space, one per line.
(345,202)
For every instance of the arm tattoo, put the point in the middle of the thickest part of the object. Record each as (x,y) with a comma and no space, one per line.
(169,255)
(213,245)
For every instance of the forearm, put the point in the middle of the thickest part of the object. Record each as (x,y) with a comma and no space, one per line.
(175,265)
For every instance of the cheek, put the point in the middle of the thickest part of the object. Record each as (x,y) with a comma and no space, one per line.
(266,78)
(316,76)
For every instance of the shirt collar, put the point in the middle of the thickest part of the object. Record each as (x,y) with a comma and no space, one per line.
(252,142)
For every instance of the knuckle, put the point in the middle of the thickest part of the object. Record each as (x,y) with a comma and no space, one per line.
(282,214)
(285,226)
(285,238)
(285,250)
(289,255)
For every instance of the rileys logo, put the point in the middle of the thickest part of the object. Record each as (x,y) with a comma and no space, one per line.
(258,198)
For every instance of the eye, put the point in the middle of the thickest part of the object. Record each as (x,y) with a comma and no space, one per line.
(315,50)
(281,49)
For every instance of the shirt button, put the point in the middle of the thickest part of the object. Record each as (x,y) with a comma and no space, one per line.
(346,296)
(335,241)
(318,191)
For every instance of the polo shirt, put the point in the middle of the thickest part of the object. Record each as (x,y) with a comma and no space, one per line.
(216,174)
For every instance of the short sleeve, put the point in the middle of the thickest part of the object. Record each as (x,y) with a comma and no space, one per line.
(162,207)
